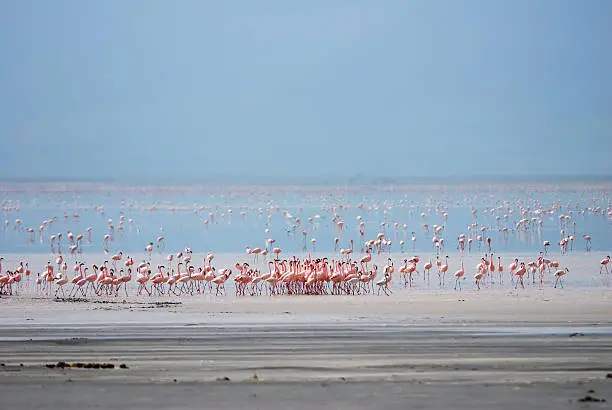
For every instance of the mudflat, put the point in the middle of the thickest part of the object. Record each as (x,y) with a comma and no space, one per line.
(537,349)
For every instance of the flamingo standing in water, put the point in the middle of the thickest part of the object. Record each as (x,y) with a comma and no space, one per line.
(480,273)
(124,279)
(78,280)
(149,249)
(492,269)
(59,243)
(161,243)
(116,258)
(559,275)
(410,269)
(224,274)
(426,268)
(587,240)
(383,284)
(142,278)
(520,273)
(442,273)
(604,264)
(105,242)
(458,276)
(60,281)
(255,252)
(546,244)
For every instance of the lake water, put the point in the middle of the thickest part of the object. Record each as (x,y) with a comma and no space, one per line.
(227,219)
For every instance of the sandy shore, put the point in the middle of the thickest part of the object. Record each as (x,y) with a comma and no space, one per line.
(537,348)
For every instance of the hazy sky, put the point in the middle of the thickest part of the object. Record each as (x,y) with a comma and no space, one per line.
(129,88)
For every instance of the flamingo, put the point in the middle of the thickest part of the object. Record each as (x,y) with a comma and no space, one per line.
(520,273)
(480,273)
(383,284)
(500,269)
(491,268)
(587,240)
(142,279)
(105,242)
(366,259)
(458,275)
(116,258)
(426,268)
(442,273)
(604,264)
(149,249)
(161,243)
(224,274)
(256,252)
(546,244)
(559,275)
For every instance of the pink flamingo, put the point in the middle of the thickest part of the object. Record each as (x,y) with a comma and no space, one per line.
(587,239)
(559,275)
(604,264)
(458,275)
(520,273)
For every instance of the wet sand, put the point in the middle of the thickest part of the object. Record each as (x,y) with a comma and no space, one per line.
(537,349)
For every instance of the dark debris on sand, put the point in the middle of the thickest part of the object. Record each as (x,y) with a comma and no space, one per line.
(71,300)
(590,399)
(145,305)
(81,365)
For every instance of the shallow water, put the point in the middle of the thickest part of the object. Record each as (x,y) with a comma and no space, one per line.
(200,217)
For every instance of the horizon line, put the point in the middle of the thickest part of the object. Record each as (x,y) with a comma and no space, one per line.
(304,180)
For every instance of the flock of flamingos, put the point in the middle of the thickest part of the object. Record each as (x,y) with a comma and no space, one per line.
(262,271)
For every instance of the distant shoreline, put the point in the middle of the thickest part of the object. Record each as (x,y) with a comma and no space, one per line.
(308,181)
(415,187)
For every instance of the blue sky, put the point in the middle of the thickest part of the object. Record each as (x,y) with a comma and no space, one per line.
(194,88)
